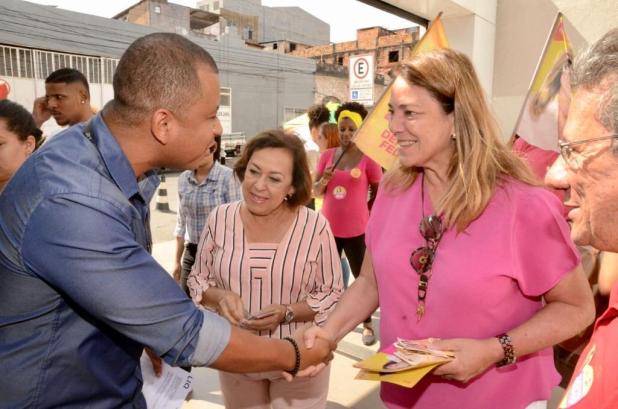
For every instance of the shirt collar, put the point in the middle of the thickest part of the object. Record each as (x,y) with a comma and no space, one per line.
(212,176)
(116,161)
(612,310)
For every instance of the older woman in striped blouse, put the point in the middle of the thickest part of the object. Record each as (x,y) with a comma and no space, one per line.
(269,264)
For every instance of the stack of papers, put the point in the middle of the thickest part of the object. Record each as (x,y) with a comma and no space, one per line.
(404,363)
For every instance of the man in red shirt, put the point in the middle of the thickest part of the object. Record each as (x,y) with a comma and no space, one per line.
(588,167)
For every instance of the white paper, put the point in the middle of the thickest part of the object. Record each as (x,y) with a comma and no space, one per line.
(169,390)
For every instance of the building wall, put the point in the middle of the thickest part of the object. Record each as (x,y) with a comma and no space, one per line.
(139,14)
(263,84)
(278,23)
(292,24)
(241,21)
(283,47)
(338,85)
(370,40)
(173,17)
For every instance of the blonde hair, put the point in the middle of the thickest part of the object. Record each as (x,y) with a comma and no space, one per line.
(480,160)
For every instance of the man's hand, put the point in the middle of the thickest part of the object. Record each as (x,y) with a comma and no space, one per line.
(176,273)
(316,346)
(157,367)
(40,111)
(472,357)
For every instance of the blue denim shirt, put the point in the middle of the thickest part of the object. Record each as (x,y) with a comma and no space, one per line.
(79,293)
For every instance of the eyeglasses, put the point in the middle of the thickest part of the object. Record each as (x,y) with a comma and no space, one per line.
(422,258)
(575,159)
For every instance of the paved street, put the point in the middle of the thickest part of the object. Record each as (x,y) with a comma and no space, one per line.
(345,392)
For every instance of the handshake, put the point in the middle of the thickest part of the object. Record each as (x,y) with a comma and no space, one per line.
(314,348)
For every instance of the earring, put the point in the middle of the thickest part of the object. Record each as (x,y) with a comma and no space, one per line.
(287,197)
(83,102)
(453,136)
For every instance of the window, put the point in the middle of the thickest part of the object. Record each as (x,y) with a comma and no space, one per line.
(215,6)
(94,70)
(339,60)
(291,113)
(247,33)
(109,66)
(27,63)
(16,62)
(157,9)
(393,56)
(292,47)
(275,45)
(226,97)
(207,7)
(26,66)
(6,62)
(46,63)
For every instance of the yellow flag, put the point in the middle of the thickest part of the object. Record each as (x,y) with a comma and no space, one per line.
(542,116)
(374,138)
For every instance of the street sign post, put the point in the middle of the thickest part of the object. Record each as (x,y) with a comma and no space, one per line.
(362,74)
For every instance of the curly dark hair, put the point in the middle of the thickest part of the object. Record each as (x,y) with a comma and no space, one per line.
(278,138)
(19,121)
(318,114)
(351,106)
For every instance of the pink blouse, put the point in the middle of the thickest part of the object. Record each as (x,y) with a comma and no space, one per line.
(486,281)
(303,266)
(345,197)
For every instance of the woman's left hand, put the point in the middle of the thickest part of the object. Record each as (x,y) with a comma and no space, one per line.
(273,316)
(472,357)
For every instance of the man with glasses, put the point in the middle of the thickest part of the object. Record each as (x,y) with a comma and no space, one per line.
(588,166)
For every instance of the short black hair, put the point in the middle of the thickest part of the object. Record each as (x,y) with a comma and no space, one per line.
(351,106)
(278,138)
(158,71)
(68,76)
(19,121)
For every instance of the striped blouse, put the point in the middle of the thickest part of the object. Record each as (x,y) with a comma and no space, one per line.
(305,265)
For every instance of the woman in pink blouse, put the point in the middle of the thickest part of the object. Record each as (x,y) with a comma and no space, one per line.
(464,250)
(348,181)
(270,265)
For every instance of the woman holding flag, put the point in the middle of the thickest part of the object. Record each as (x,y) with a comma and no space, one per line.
(464,251)
(347,178)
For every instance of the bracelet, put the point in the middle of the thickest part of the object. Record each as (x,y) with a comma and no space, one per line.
(294,371)
(509,351)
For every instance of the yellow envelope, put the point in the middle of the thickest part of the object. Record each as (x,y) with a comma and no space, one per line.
(407,379)
(376,362)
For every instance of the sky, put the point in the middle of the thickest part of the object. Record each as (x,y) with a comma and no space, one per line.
(337,13)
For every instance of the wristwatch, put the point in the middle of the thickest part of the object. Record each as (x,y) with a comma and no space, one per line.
(289,315)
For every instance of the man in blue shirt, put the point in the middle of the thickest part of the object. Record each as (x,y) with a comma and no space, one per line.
(80,296)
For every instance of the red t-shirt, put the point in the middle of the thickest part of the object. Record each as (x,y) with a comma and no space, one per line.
(595,381)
